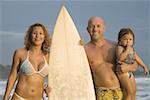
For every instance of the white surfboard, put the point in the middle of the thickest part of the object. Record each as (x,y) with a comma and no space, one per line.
(69,76)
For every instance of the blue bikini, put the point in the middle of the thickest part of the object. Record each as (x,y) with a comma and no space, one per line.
(28,69)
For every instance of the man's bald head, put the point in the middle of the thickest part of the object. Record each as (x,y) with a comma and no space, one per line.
(97,18)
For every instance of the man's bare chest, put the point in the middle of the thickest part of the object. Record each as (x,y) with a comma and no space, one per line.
(101,55)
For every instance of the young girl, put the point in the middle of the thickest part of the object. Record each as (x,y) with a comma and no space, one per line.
(126,54)
(30,66)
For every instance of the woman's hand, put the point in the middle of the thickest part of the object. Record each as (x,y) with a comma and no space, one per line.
(47,90)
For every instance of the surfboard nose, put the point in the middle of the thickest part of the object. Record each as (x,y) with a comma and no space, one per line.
(63,11)
(63,8)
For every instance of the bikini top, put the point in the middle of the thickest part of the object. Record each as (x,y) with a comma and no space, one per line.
(130,58)
(28,69)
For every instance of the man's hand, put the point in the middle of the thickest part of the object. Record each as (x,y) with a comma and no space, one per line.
(124,68)
(120,69)
(81,42)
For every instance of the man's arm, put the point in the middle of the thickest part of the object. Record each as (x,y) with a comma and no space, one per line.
(124,68)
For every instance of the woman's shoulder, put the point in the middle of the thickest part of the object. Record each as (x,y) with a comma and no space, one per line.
(20,51)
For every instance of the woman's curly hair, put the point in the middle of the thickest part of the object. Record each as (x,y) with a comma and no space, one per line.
(28,39)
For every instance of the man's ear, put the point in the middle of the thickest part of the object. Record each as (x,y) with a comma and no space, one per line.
(104,28)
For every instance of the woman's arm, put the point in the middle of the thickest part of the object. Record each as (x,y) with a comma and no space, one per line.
(141,63)
(12,75)
(47,88)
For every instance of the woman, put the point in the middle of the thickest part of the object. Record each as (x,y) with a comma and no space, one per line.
(30,66)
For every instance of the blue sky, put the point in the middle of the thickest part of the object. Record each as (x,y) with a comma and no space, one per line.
(17,15)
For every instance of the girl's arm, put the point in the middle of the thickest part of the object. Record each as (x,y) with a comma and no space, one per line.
(12,75)
(121,53)
(141,63)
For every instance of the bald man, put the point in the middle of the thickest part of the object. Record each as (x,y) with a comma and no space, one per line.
(102,60)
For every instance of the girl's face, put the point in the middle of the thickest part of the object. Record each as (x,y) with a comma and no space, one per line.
(37,36)
(127,39)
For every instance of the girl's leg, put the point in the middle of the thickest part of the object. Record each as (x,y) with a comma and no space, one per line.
(126,84)
(134,87)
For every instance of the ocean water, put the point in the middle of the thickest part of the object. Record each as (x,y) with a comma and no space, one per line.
(143,88)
